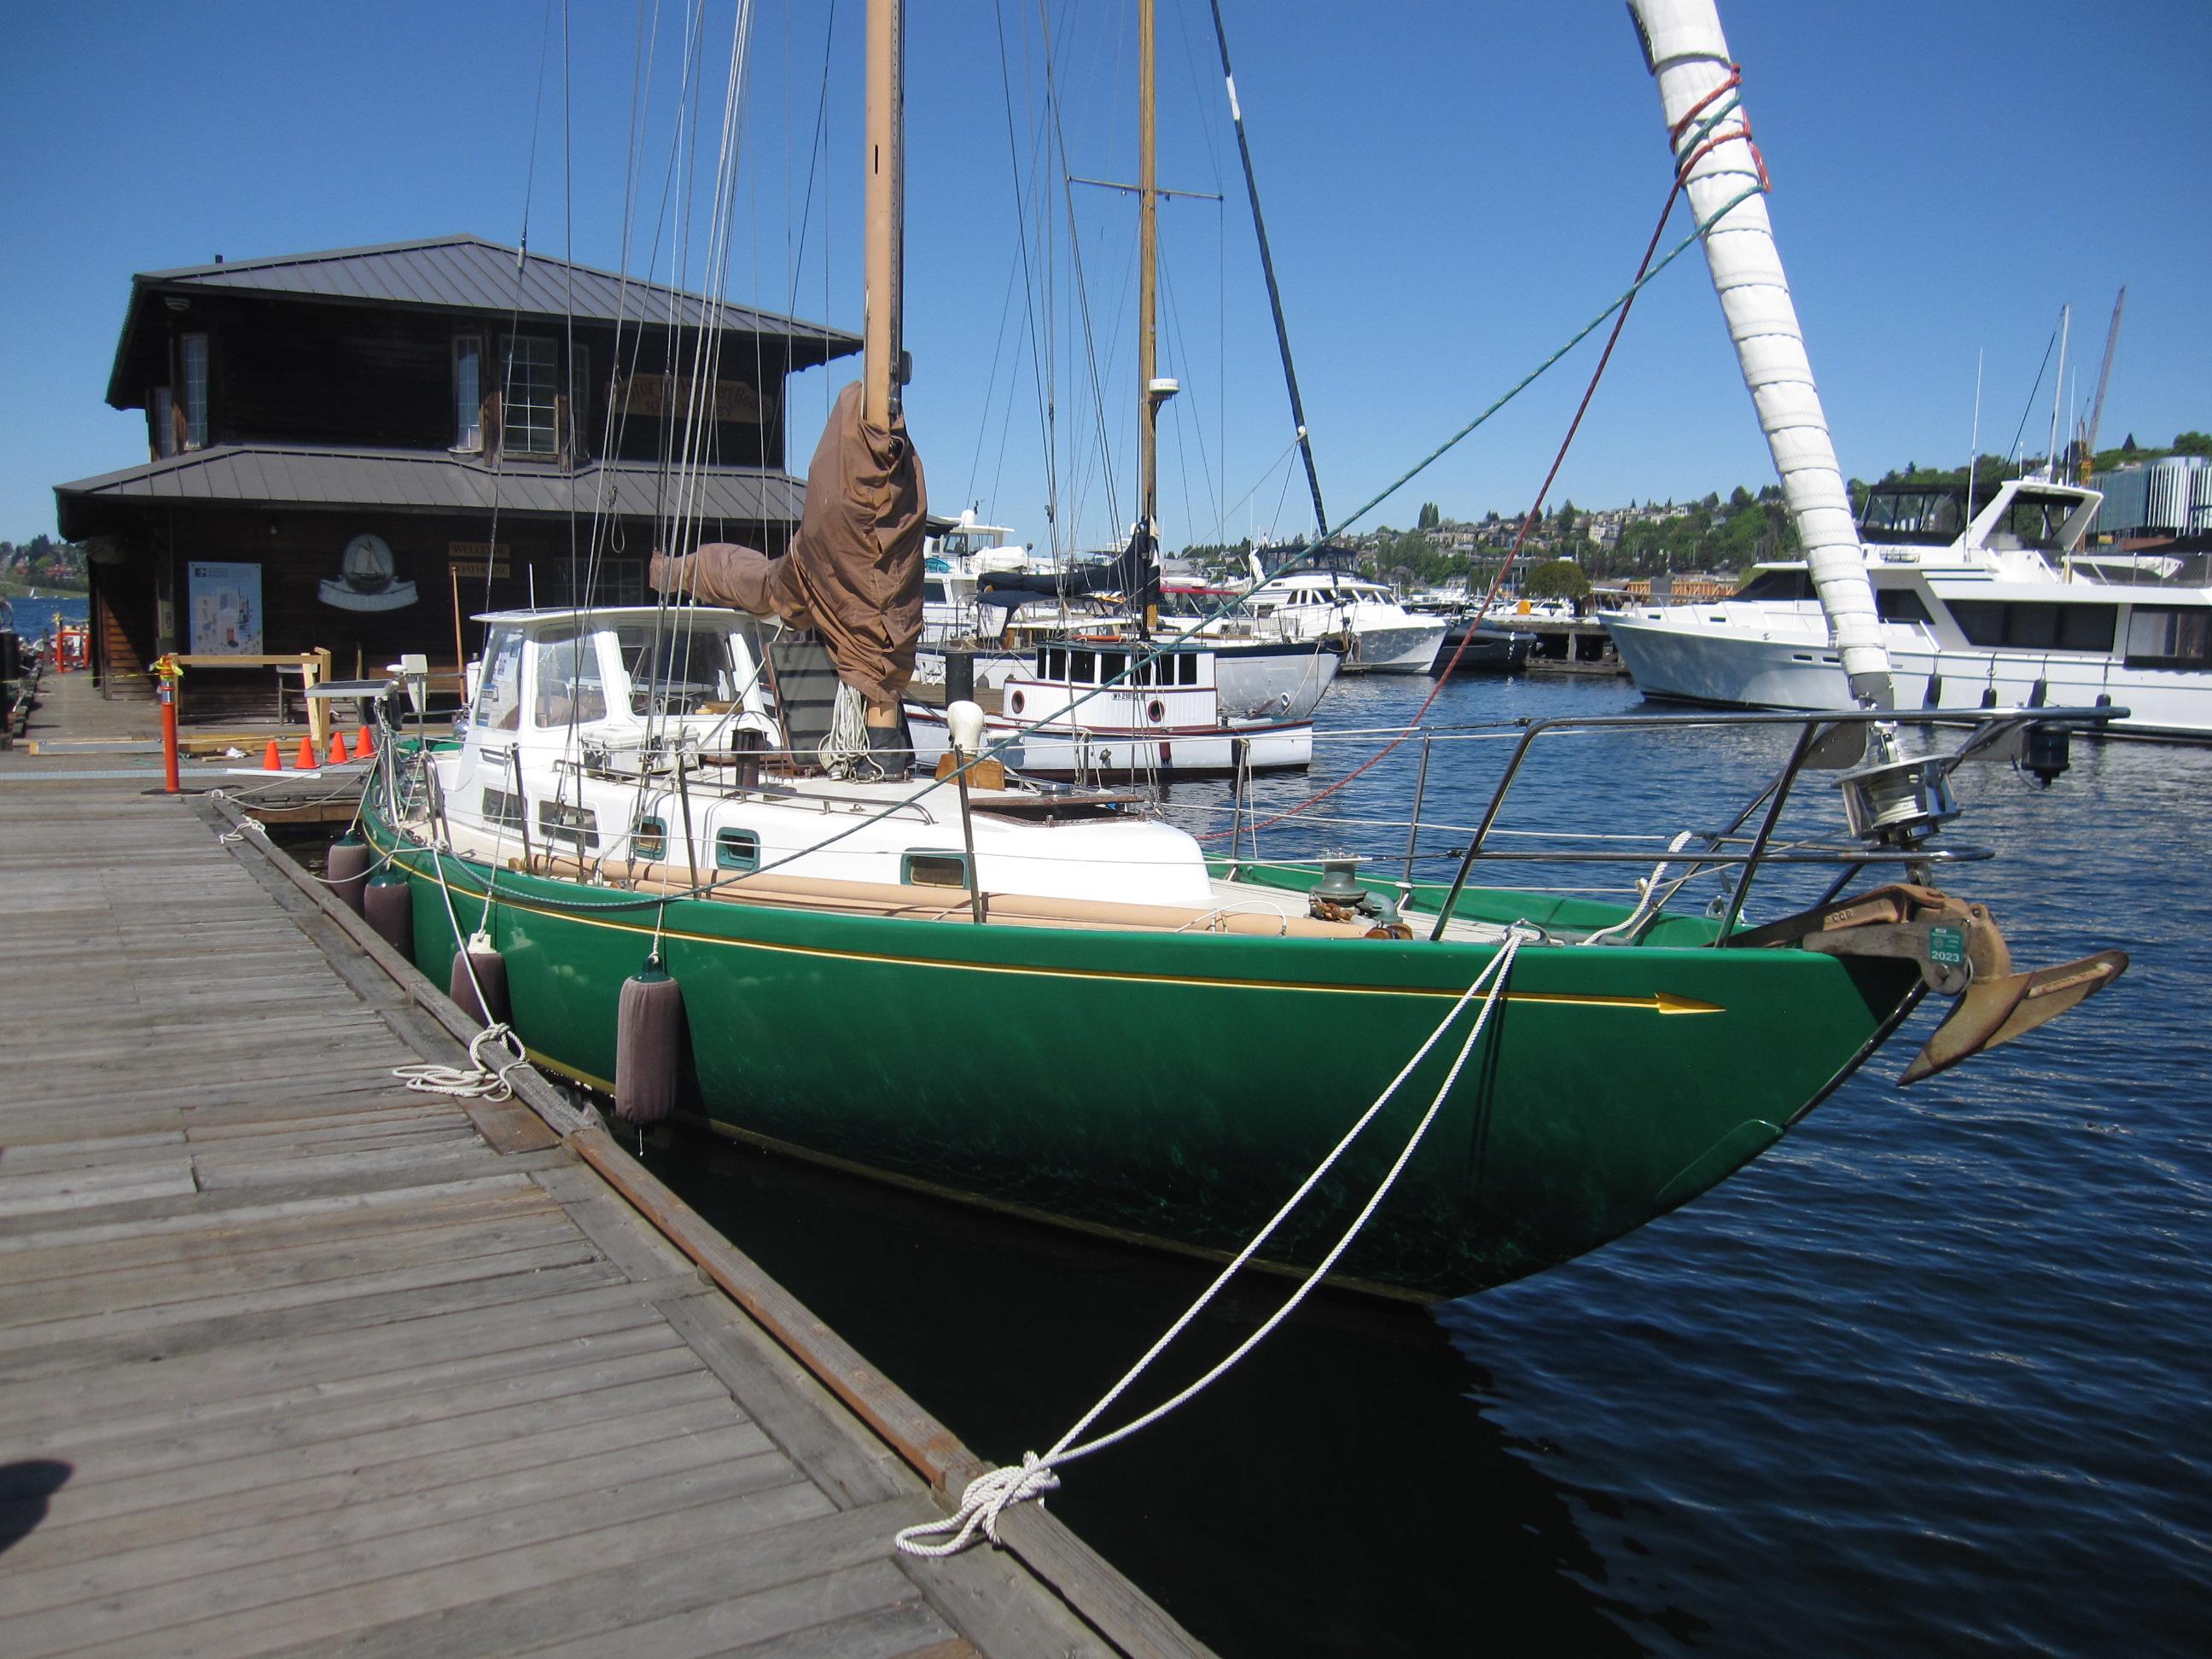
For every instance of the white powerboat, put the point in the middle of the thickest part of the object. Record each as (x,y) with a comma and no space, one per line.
(1974,612)
(1379,635)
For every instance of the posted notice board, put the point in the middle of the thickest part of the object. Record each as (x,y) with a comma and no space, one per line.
(226,609)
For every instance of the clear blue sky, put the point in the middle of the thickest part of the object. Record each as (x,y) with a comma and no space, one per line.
(1452,190)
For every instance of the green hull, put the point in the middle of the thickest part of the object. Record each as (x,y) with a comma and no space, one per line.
(1175,1088)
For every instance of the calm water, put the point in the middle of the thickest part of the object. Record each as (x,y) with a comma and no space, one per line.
(1932,1373)
(34,617)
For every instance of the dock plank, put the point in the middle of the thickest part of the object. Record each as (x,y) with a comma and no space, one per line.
(331,1364)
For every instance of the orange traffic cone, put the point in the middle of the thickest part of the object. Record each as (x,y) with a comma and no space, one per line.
(305,760)
(274,760)
(364,746)
(338,756)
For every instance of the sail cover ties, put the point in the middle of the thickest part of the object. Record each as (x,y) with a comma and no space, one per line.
(853,574)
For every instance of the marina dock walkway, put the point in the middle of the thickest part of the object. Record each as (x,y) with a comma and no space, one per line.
(295,1360)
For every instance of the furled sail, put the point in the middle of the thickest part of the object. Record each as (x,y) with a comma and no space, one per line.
(853,574)
(1711,137)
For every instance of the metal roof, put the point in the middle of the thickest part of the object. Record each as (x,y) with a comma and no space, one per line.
(468,273)
(465,274)
(415,481)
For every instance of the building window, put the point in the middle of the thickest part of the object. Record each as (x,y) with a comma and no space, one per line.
(579,443)
(468,392)
(194,359)
(165,422)
(527,381)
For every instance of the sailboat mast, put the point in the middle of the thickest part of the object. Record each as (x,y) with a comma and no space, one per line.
(1148,255)
(885,212)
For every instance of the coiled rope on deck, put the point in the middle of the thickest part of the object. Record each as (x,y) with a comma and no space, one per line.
(478,1079)
(990,1495)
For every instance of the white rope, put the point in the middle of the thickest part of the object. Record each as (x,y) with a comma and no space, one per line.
(846,746)
(988,1495)
(478,1080)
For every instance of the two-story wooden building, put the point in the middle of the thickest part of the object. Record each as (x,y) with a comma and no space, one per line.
(359,450)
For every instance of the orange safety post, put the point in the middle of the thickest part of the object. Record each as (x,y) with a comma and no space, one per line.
(338,756)
(305,760)
(274,760)
(166,675)
(364,746)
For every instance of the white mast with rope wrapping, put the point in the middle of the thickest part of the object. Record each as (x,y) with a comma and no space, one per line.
(1701,100)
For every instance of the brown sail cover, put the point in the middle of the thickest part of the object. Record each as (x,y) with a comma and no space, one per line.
(853,574)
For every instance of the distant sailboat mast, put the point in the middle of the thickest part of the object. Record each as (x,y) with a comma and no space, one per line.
(1689,59)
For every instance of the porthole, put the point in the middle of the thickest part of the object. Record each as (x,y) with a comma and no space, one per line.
(920,869)
(1017,702)
(1156,711)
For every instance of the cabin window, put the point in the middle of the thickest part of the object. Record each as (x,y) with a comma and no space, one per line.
(165,422)
(2025,626)
(526,382)
(737,849)
(192,359)
(502,810)
(1083,666)
(468,392)
(499,694)
(920,869)
(1899,604)
(1055,665)
(2170,639)
(1777,585)
(569,690)
(675,670)
(1110,664)
(649,840)
(932,591)
(1187,669)
(558,821)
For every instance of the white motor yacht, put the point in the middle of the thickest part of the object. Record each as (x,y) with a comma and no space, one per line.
(1976,613)
(1379,635)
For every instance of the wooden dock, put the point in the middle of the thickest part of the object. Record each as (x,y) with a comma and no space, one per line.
(293,1360)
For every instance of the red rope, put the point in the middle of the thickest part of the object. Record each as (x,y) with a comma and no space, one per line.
(1535,513)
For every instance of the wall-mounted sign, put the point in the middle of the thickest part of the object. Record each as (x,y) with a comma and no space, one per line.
(364,581)
(226,609)
(668,394)
(477,560)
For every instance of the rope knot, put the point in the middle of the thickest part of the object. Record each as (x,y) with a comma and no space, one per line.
(986,1498)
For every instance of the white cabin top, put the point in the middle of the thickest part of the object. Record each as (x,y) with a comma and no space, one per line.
(616,675)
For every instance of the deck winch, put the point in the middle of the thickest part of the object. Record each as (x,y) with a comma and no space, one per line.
(1338,896)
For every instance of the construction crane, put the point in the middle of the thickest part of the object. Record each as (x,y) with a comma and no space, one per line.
(2104,380)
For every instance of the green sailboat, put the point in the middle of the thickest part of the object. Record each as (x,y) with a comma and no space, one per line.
(911,977)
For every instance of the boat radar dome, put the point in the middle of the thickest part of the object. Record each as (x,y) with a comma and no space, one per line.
(965,720)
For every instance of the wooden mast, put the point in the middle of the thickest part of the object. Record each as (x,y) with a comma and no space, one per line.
(1148,402)
(883,256)
(886,210)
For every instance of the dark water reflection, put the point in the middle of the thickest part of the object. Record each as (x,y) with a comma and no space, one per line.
(1931,1373)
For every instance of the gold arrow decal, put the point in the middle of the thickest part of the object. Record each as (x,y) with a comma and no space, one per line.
(1659,1002)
